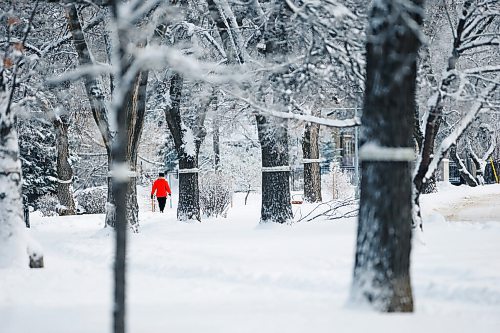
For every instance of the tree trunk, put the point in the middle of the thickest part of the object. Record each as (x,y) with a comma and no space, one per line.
(273,138)
(11,208)
(136,111)
(188,207)
(273,132)
(189,192)
(382,265)
(133,109)
(312,171)
(216,142)
(64,169)
(110,201)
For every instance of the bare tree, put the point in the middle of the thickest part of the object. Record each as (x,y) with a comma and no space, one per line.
(464,79)
(135,108)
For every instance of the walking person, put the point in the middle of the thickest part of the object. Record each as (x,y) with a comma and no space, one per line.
(162,189)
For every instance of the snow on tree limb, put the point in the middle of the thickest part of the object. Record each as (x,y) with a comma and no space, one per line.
(453,137)
(294,116)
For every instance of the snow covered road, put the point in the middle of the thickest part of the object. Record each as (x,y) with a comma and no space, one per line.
(463,203)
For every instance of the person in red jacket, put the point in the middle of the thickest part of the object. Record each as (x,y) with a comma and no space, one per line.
(162,189)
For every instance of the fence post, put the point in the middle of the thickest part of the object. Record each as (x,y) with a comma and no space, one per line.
(446,170)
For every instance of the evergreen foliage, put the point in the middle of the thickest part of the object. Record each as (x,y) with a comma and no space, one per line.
(38,156)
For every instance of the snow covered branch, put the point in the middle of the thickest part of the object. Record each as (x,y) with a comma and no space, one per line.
(299,117)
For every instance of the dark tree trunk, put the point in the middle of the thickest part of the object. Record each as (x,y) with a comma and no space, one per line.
(216,142)
(273,138)
(382,264)
(427,150)
(64,169)
(110,201)
(189,192)
(120,165)
(312,171)
(273,132)
(189,195)
(136,110)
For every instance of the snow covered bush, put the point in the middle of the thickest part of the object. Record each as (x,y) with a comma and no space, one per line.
(47,205)
(216,190)
(338,184)
(92,200)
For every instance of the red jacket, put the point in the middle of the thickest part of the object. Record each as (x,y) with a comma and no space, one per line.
(161,187)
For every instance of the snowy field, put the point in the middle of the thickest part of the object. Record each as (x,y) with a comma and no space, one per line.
(233,275)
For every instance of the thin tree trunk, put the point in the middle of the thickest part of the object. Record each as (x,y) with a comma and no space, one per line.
(216,142)
(382,265)
(64,169)
(312,171)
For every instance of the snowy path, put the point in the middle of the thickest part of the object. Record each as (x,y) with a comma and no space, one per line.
(232,275)
(463,203)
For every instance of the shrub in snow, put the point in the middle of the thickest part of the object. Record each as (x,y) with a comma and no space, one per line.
(47,205)
(338,184)
(92,200)
(215,194)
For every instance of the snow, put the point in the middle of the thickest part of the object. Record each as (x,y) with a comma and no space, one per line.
(189,145)
(234,275)
(372,151)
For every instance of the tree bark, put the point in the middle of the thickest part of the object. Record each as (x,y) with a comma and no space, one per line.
(11,216)
(273,132)
(64,169)
(216,142)
(273,138)
(133,109)
(136,111)
(312,171)
(189,195)
(382,265)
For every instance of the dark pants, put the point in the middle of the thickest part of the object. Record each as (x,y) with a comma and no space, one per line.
(161,203)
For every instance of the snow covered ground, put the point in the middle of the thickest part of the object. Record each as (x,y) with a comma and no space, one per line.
(233,275)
